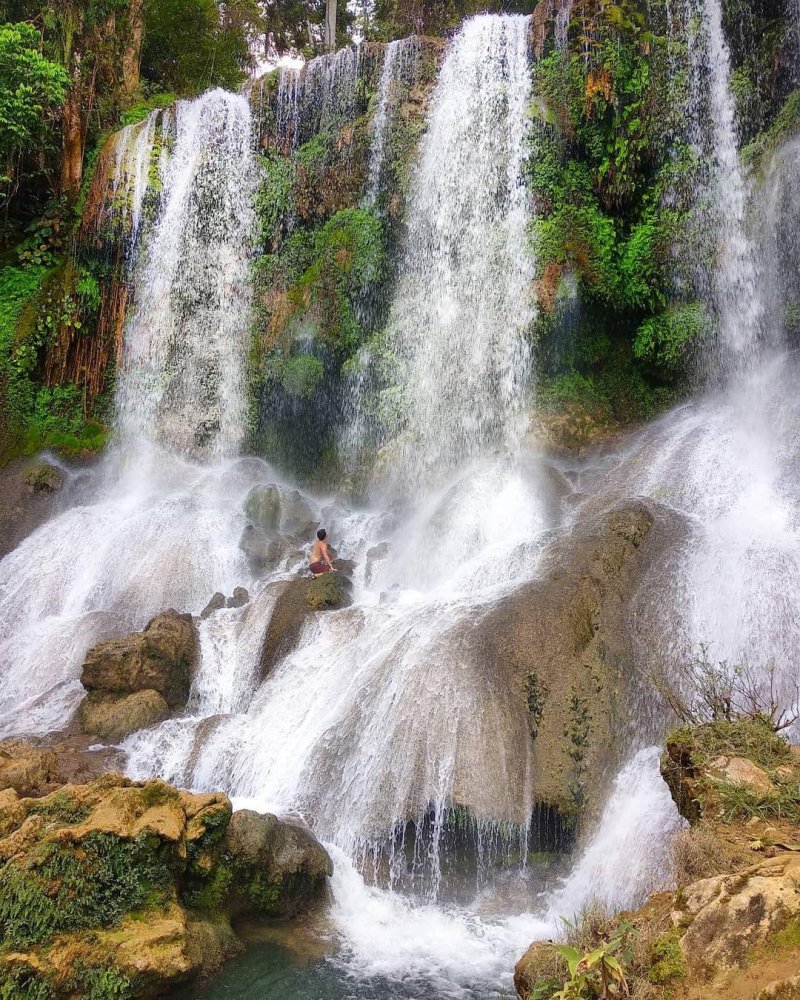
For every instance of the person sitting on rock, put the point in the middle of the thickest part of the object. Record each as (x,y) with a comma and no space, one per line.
(321,561)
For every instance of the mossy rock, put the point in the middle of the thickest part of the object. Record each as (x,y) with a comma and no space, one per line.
(329,592)
(113,717)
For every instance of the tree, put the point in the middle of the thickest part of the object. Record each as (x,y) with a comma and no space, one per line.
(32,88)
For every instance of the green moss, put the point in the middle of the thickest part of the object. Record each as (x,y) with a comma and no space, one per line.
(140,111)
(61,808)
(751,738)
(62,887)
(785,124)
(671,339)
(211,893)
(104,982)
(301,375)
(667,962)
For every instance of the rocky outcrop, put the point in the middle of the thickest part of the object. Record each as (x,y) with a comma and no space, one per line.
(563,645)
(161,659)
(38,768)
(134,884)
(726,917)
(296,600)
(28,497)
(275,508)
(703,764)
(732,928)
(112,717)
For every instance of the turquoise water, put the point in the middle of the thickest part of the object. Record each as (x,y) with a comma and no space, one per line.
(270,971)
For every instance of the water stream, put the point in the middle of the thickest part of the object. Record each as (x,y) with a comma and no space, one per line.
(383,721)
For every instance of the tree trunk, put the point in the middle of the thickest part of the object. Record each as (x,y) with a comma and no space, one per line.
(72,138)
(132,51)
(330,25)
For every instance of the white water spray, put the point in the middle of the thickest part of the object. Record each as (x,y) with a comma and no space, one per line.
(463,303)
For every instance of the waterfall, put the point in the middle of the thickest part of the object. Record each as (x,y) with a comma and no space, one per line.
(397,54)
(181,373)
(314,97)
(463,301)
(563,15)
(721,196)
(159,531)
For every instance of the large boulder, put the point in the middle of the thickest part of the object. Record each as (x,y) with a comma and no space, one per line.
(161,658)
(279,867)
(275,508)
(113,717)
(562,646)
(129,887)
(728,916)
(29,495)
(295,601)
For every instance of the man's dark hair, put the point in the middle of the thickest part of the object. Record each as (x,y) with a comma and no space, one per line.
(321,534)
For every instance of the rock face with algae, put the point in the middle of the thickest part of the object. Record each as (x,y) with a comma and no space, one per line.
(121,882)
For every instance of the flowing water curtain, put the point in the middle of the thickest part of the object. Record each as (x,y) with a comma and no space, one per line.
(399,65)
(315,97)
(724,271)
(463,302)
(181,374)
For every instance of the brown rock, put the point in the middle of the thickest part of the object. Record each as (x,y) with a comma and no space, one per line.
(113,717)
(280,866)
(44,478)
(540,961)
(729,915)
(26,768)
(557,661)
(161,658)
(22,508)
(741,771)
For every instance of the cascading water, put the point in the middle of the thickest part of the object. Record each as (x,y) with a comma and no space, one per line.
(383,723)
(162,532)
(397,55)
(463,302)
(313,97)
(721,198)
(181,382)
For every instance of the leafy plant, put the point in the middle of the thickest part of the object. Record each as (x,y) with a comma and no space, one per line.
(599,972)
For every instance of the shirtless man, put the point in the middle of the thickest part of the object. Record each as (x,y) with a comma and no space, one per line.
(320,561)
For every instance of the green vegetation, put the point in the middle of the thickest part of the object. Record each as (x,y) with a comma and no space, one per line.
(668,965)
(32,88)
(66,886)
(750,738)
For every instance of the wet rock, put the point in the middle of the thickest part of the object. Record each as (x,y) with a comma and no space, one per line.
(161,658)
(23,507)
(141,878)
(217,601)
(44,478)
(727,916)
(377,554)
(296,600)
(557,654)
(263,551)
(239,599)
(113,717)
(279,867)
(274,508)
(330,591)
